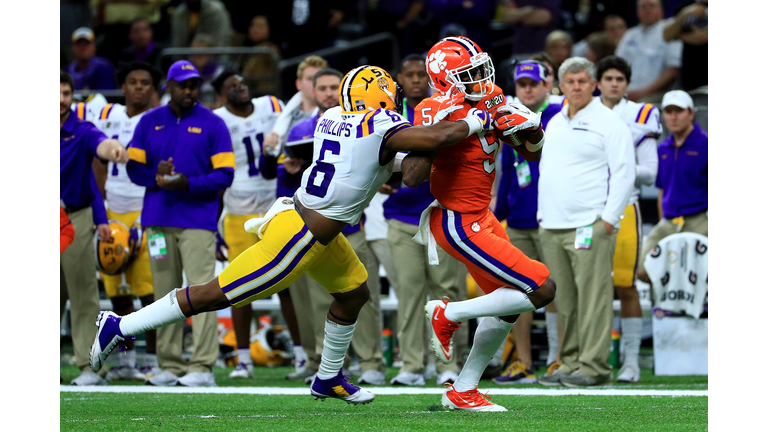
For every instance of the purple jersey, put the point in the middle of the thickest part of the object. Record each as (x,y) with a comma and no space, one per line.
(201,148)
(683,175)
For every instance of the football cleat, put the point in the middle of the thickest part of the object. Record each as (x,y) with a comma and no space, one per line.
(442,329)
(242,370)
(108,336)
(338,388)
(516,373)
(150,371)
(125,373)
(629,373)
(88,378)
(471,400)
(300,374)
(552,368)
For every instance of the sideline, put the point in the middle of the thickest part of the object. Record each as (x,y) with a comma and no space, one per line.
(301,391)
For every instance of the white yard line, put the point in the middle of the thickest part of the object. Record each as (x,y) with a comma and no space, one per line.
(304,391)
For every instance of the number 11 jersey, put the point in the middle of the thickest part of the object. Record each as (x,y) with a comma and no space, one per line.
(251,192)
(347,169)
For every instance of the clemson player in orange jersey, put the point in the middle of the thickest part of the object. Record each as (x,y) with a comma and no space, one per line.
(460,220)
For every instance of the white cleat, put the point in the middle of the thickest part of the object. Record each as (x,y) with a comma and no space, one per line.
(107,337)
(628,373)
(242,371)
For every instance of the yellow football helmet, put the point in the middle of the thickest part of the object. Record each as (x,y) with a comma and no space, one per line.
(270,346)
(116,254)
(368,88)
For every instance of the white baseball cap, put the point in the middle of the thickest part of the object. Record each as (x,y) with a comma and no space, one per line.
(677,98)
(83,33)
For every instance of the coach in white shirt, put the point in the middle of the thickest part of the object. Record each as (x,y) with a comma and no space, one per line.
(587,175)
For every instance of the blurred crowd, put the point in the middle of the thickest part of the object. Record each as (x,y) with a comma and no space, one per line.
(636,56)
(666,42)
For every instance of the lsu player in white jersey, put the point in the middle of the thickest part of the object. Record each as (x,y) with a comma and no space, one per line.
(90,109)
(253,189)
(138,82)
(613,76)
(355,151)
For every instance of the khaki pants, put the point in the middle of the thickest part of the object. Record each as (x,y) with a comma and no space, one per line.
(584,297)
(77,268)
(527,240)
(416,280)
(367,339)
(698,223)
(194,252)
(383,255)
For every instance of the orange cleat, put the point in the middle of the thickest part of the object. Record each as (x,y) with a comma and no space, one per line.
(471,400)
(442,329)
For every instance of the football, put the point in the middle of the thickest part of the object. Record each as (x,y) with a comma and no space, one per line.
(516,139)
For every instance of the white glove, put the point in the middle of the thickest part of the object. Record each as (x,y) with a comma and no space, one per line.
(448,104)
(519,118)
(478,121)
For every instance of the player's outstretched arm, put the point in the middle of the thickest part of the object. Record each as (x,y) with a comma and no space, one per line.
(416,168)
(445,133)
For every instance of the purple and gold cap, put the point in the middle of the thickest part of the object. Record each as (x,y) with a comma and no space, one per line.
(182,70)
(534,71)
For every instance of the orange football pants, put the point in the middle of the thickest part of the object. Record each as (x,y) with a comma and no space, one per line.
(482,244)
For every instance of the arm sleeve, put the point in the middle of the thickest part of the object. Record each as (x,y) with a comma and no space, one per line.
(621,163)
(99,211)
(647,162)
(222,161)
(141,170)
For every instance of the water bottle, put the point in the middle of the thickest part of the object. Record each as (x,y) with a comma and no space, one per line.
(615,343)
(388,346)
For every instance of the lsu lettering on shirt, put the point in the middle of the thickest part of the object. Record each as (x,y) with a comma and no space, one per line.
(123,196)
(254,186)
(347,170)
(462,174)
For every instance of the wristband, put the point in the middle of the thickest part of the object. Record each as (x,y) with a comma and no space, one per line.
(535,147)
(474,123)
(399,161)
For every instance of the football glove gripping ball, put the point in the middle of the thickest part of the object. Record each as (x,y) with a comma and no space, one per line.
(511,118)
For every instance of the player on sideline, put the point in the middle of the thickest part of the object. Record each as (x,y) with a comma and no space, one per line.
(613,77)
(355,152)
(462,177)
(253,189)
(125,199)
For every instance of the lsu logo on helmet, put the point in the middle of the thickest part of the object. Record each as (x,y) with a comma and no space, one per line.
(368,88)
(116,254)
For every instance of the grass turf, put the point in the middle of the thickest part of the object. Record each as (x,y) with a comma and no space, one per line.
(109,411)
(275,377)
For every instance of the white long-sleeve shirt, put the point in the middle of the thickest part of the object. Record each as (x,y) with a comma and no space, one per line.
(587,168)
(645,126)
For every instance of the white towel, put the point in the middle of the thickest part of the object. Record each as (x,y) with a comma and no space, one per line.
(257,225)
(678,270)
(425,237)
(283,122)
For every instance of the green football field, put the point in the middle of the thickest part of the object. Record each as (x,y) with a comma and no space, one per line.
(654,404)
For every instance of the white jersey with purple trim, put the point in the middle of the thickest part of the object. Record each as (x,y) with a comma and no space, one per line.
(645,125)
(250,192)
(123,196)
(91,108)
(346,172)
